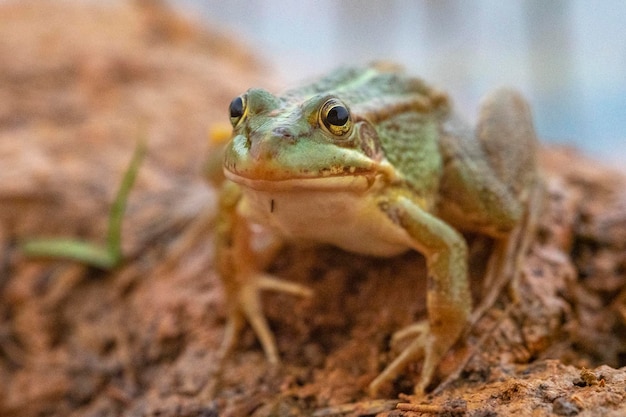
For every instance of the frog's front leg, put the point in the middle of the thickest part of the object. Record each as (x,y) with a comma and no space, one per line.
(448,298)
(240,264)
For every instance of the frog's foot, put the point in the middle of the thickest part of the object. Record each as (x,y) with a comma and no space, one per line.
(424,345)
(246,306)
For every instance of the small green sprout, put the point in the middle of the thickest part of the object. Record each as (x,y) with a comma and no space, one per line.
(106,256)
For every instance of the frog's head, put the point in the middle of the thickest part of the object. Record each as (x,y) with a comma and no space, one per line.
(311,143)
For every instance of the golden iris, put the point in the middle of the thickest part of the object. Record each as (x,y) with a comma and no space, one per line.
(335,117)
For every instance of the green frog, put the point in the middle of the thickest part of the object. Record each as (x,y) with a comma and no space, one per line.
(376,162)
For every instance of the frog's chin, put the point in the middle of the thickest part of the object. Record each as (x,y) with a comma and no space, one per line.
(326,183)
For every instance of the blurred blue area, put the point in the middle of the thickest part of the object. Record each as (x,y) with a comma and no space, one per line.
(568,57)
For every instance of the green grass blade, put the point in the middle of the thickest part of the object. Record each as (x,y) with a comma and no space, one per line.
(71,249)
(110,255)
(116,215)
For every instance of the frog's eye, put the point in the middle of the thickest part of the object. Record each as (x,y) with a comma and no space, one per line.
(237,110)
(335,117)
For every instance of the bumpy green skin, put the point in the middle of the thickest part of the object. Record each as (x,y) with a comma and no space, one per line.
(406,174)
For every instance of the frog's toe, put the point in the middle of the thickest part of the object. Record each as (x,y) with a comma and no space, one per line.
(250,305)
(424,345)
(246,306)
(268,282)
(412,331)
(417,349)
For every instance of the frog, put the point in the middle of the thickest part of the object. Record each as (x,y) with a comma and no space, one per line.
(376,162)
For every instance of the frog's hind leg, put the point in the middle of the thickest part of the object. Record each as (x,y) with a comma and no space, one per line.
(506,261)
(507,136)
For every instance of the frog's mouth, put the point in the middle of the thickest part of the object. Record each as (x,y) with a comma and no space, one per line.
(355,181)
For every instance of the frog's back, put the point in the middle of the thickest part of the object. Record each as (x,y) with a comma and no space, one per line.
(405,111)
(377,92)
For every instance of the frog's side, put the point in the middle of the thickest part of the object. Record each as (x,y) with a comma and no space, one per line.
(374,162)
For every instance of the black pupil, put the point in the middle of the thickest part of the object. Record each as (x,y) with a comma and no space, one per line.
(236,108)
(338,116)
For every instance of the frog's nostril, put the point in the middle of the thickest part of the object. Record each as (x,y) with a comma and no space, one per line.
(283,132)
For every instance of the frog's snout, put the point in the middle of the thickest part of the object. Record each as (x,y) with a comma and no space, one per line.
(265,146)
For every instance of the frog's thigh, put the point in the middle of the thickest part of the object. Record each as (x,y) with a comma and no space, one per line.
(473,198)
(487,181)
(506,133)
(448,296)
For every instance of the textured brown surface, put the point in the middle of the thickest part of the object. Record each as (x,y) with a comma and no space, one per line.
(80,84)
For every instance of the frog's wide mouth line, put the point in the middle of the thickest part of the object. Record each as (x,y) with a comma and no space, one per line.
(352,182)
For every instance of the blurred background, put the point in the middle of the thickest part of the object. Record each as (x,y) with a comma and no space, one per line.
(568,57)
